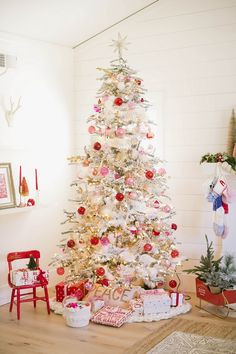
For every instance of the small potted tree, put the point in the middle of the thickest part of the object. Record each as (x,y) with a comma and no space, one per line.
(216,278)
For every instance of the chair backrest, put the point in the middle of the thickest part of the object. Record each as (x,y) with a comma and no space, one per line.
(13,256)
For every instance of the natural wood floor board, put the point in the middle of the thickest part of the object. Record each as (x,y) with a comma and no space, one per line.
(38,333)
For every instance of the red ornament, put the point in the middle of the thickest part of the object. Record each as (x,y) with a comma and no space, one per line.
(155,233)
(97,146)
(150,135)
(60,271)
(172,283)
(30,202)
(149,175)
(119,197)
(147,247)
(94,241)
(174,253)
(118,101)
(142,100)
(105,282)
(81,210)
(138,82)
(71,243)
(174,226)
(100,271)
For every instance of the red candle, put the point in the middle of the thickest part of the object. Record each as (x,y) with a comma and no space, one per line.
(36,180)
(20,177)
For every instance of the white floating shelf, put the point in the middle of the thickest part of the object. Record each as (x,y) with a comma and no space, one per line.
(17,210)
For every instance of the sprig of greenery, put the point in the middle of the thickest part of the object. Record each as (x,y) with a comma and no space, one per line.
(212,272)
(219,157)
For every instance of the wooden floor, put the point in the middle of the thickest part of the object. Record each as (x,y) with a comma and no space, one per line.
(39,333)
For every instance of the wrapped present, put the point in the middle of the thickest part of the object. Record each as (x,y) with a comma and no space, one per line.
(24,276)
(111,316)
(177,299)
(157,302)
(63,290)
(137,307)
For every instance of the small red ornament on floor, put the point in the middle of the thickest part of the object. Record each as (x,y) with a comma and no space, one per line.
(81,210)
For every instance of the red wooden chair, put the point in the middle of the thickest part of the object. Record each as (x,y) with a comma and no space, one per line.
(13,256)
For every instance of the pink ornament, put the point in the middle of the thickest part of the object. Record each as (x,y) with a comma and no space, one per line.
(88,285)
(117,176)
(156,204)
(129,181)
(166,209)
(120,132)
(91,129)
(167,233)
(132,195)
(147,247)
(105,241)
(104,171)
(96,108)
(161,171)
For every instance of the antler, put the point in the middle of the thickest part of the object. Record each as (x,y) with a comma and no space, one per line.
(9,113)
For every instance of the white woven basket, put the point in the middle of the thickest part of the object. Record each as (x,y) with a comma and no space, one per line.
(79,316)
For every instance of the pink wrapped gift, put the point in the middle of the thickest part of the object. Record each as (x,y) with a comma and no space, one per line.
(111,316)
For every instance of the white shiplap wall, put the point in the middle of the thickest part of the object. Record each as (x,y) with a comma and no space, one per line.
(185,50)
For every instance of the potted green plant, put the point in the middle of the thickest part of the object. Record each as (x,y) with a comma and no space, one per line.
(217,274)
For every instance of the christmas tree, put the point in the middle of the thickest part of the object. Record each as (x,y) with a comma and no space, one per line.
(119,231)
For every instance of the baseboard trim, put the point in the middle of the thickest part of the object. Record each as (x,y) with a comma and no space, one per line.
(5,295)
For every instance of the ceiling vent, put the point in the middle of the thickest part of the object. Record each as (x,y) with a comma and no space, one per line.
(7,61)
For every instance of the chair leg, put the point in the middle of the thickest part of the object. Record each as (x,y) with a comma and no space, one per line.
(12,299)
(34,295)
(47,298)
(18,303)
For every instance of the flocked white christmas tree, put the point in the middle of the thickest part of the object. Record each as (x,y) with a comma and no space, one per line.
(119,230)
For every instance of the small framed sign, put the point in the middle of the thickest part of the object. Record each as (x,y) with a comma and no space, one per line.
(7,191)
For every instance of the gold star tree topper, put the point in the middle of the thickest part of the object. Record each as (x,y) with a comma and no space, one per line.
(119,45)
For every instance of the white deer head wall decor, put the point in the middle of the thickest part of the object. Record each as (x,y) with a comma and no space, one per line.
(9,113)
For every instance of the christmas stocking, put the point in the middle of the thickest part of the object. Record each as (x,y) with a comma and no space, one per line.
(219,217)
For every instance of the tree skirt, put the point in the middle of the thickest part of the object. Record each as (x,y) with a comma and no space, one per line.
(179,342)
(174,311)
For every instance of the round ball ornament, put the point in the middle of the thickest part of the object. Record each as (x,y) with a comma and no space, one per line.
(81,210)
(88,285)
(94,241)
(120,197)
(138,82)
(60,271)
(118,101)
(97,146)
(149,174)
(30,202)
(100,271)
(172,284)
(104,171)
(91,129)
(147,247)
(105,241)
(105,282)
(120,132)
(174,253)
(174,226)
(70,243)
